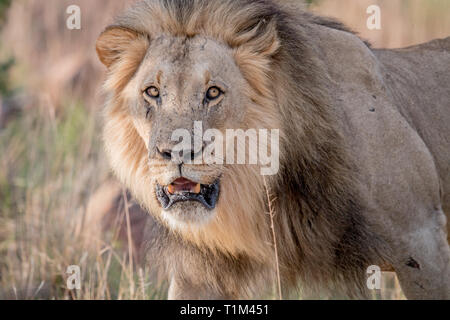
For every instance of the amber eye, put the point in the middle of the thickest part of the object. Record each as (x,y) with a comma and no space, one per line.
(152,92)
(213,93)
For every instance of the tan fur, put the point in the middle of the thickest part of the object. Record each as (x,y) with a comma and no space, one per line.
(327,222)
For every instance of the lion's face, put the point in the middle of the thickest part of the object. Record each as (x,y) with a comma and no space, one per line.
(183,83)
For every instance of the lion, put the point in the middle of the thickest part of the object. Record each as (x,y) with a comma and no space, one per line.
(364,149)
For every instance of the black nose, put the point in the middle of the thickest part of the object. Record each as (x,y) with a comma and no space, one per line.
(183,155)
(165,153)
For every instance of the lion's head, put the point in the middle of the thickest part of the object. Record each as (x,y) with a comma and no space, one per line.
(169,73)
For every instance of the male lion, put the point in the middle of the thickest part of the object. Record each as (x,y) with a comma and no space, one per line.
(364,148)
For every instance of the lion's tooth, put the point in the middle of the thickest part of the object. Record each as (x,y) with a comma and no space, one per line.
(197,188)
(171,189)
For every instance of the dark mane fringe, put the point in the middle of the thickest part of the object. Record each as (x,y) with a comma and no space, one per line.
(320,200)
(323,238)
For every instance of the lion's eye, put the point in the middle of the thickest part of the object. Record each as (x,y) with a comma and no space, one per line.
(213,93)
(152,92)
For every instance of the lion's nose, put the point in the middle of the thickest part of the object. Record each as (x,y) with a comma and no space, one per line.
(179,156)
(166,154)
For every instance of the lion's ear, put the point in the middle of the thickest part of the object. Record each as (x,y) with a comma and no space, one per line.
(113,42)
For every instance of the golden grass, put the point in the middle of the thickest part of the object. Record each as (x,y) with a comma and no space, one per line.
(49,167)
(51,159)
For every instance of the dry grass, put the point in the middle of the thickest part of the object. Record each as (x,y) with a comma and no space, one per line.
(51,159)
(271,213)
(48,169)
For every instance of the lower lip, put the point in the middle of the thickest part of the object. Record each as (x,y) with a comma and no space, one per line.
(207,196)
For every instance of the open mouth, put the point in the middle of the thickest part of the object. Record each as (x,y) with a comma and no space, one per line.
(182,190)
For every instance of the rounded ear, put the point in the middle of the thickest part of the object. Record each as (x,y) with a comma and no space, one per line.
(113,42)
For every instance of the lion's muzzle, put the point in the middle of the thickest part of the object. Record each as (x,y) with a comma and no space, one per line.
(182,190)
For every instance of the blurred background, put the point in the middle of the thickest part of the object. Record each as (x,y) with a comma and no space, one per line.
(59,205)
